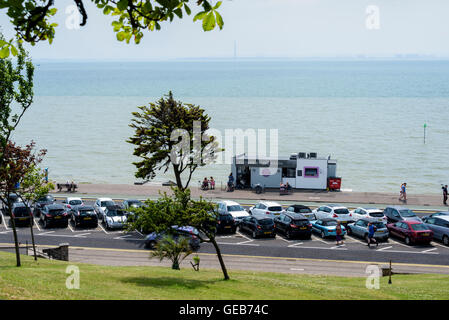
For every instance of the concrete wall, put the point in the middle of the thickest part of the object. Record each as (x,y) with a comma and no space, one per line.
(259,176)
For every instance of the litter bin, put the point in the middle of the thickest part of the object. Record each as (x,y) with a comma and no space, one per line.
(334,183)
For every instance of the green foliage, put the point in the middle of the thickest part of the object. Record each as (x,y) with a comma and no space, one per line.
(32,18)
(154,126)
(176,250)
(33,185)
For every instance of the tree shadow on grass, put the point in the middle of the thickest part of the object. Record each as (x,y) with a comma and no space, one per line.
(169,282)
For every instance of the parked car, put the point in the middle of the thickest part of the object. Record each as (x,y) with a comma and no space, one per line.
(41,202)
(114,217)
(12,199)
(22,215)
(233,208)
(437,214)
(371,214)
(326,227)
(397,213)
(100,206)
(293,225)
(258,226)
(334,211)
(411,231)
(70,202)
(299,208)
(188,232)
(83,216)
(226,223)
(266,208)
(132,203)
(54,215)
(360,229)
(440,227)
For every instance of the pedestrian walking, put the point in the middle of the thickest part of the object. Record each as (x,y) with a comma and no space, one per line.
(371,232)
(445,195)
(403,192)
(230,183)
(339,233)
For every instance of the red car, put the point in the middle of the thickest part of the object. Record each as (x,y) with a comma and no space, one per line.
(411,231)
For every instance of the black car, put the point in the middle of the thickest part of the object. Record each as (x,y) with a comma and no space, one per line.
(54,215)
(226,223)
(258,226)
(177,233)
(293,225)
(13,198)
(299,208)
(83,216)
(41,202)
(22,215)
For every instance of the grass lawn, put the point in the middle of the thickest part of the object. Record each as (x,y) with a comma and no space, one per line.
(46,280)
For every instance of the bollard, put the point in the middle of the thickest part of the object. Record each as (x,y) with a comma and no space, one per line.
(389,279)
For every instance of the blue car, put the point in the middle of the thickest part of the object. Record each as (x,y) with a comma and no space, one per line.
(326,227)
(188,232)
(360,229)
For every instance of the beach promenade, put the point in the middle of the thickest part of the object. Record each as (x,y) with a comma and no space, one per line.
(121,191)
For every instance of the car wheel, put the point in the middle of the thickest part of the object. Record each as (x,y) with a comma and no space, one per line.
(254,234)
(289,235)
(446,240)
(151,244)
(45,224)
(323,235)
(407,241)
(366,238)
(348,230)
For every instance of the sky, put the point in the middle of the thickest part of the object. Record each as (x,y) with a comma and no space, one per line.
(265,29)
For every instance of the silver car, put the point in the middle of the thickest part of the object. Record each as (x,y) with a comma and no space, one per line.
(440,227)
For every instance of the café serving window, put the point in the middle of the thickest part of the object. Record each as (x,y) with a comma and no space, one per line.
(311,172)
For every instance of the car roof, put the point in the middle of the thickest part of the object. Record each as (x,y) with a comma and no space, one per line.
(133,200)
(398,207)
(327,219)
(105,199)
(261,217)
(335,206)
(295,215)
(299,206)
(84,207)
(270,203)
(369,209)
(230,202)
(114,207)
(55,206)
(73,198)
(445,218)
(18,205)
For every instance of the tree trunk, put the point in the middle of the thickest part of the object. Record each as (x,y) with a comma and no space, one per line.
(16,242)
(32,237)
(220,259)
(178,177)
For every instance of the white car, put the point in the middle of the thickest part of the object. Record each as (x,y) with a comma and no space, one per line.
(232,208)
(266,208)
(69,202)
(334,211)
(100,206)
(371,214)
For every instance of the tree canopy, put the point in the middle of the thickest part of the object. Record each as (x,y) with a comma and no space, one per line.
(32,19)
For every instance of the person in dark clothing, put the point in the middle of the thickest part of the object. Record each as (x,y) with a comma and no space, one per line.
(231,182)
(445,195)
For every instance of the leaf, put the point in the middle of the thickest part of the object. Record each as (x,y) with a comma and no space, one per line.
(209,22)
(218,5)
(200,16)
(188,11)
(121,36)
(220,22)
(4,52)
(178,12)
(14,51)
(122,5)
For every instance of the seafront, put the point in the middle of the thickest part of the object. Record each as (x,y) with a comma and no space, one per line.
(121,191)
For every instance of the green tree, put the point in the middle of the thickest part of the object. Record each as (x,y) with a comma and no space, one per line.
(179,210)
(172,134)
(176,250)
(32,18)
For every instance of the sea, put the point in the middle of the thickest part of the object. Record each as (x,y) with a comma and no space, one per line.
(369,115)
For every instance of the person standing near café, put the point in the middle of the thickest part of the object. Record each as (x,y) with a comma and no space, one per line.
(445,195)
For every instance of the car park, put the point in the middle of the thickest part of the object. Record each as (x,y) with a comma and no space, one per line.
(41,202)
(100,206)
(22,215)
(326,227)
(114,217)
(177,233)
(299,208)
(233,208)
(334,211)
(397,213)
(440,227)
(226,223)
(266,208)
(371,214)
(293,225)
(132,203)
(411,231)
(54,215)
(70,202)
(360,229)
(258,226)
(83,216)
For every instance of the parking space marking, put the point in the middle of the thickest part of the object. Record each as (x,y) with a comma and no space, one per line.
(389,239)
(4,221)
(82,235)
(353,240)
(70,227)
(439,245)
(99,224)
(295,244)
(139,233)
(318,239)
(339,247)
(382,249)
(296,269)
(414,252)
(243,242)
(44,233)
(240,244)
(244,236)
(429,250)
(5,232)
(123,237)
(37,224)
(288,241)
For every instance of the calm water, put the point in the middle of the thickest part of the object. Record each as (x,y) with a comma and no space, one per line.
(369,115)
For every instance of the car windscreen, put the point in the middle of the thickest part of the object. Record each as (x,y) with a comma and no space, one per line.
(304,210)
(225,217)
(115,213)
(329,223)
(419,227)
(275,208)
(341,211)
(22,212)
(86,212)
(311,217)
(265,222)
(235,208)
(55,212)
(379,225)
(407,213)
(107,203)
(46,199)
(300,222)
(377,214)
(75,202)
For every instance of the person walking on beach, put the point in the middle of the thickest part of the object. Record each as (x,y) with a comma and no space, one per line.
(339,232)
(371,231)
(403,192)
(445,195)
(212,183)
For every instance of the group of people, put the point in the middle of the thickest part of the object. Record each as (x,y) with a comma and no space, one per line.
(371,231)
(208,184)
